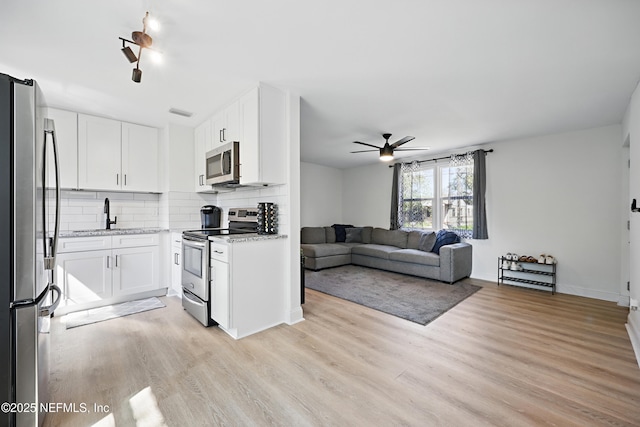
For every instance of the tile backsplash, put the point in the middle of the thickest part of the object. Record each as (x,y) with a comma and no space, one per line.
(84,210)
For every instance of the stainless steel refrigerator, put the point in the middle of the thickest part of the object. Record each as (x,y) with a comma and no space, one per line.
(29,223)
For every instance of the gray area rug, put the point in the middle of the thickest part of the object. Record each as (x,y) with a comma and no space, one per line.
(413,298)
(86,317)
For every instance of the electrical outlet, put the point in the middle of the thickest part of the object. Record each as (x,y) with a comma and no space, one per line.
(633,304)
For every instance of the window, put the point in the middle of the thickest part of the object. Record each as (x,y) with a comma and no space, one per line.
(435,197)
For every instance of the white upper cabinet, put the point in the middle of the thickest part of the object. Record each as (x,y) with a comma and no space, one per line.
(226,125)
(258,120)
(66,125)
(139,158)
(99,153)
(202,136)
(116,156)
(263,136)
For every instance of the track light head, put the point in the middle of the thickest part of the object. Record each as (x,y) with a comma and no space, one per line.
(137,75)
(129,54)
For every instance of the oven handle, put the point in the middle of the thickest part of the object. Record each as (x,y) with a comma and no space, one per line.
(194,242)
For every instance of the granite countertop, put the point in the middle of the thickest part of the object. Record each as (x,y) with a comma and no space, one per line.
(112,232)
(249,237)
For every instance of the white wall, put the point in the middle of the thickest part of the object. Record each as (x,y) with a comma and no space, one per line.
(320,195)
(177,143)
(557,194)
(366,195)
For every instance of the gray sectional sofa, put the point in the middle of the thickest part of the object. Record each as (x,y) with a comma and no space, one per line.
(408,252)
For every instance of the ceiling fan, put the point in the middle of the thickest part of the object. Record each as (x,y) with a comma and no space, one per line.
(386,152)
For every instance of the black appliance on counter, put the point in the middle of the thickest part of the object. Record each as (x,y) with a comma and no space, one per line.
(196,268)
(210,216)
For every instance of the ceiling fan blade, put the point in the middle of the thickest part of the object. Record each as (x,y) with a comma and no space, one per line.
(365,151)
(364,143)
(402,141)
(412,149)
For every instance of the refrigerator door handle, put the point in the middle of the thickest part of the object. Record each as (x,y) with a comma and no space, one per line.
(50,260)
(48,310)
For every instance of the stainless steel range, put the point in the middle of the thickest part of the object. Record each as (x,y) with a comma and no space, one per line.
(196,258)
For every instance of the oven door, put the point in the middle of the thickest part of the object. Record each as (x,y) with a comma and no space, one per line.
(195,267)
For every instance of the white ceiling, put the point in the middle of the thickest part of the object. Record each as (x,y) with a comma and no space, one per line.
(452,73)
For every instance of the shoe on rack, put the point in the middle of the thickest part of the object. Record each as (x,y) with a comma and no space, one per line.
(542,259)
(506,264)
(550,259)
(515,266)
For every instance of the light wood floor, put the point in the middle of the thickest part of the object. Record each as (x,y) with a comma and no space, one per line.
(504,356)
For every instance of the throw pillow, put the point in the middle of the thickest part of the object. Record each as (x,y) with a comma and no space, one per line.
(354,235)
(444,237)
(341,233)
(427,241)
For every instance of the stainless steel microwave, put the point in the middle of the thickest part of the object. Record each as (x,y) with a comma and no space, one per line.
(223,164)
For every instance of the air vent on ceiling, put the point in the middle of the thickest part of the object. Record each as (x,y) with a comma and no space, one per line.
(180,112)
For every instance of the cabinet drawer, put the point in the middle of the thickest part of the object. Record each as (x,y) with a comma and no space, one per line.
(134,240)
(219,252)
(81,244)
(176,240)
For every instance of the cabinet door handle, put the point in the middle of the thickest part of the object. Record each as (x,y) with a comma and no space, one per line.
(201,179)
(117,260)
(220,136)
(125,179)
(108,262)
(224,136)
(117,179)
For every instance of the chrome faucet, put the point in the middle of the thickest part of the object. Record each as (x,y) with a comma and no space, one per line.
(106,210)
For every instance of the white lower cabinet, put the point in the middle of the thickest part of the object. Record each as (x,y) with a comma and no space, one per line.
(102,270)
(247,285)
(176,262)
(84,276)
(220,293)
(135,270)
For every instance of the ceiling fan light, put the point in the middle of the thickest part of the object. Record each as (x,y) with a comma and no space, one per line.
(129,54)
(386,154)
(137,75)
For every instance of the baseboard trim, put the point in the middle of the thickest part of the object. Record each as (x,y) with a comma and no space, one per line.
(633,329)
(623,301)
(294,316)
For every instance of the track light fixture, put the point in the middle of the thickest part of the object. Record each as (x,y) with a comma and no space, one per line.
(143,41)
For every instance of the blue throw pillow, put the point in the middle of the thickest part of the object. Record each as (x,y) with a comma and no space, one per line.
(341,232)
(444,237)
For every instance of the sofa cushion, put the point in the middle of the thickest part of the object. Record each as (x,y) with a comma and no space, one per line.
(341,231)
(398,238)
(444,237)
(427,241)
(312,235)
(366,234)
(330,234)
(413,238)
(354,235)
(373,250)
(415,256)
(325,249)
